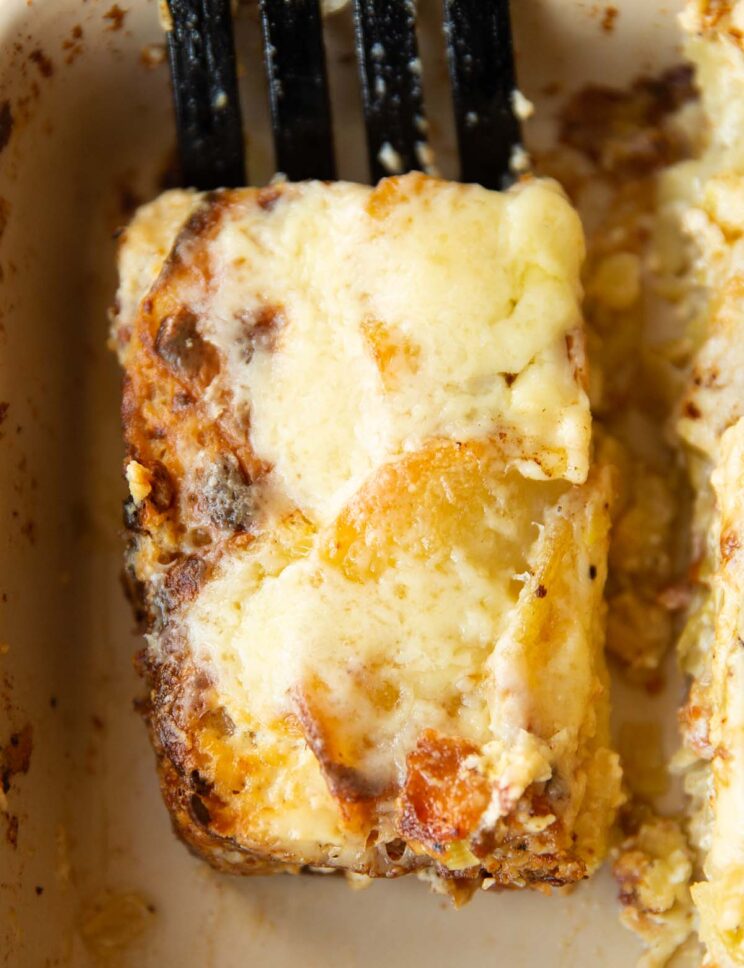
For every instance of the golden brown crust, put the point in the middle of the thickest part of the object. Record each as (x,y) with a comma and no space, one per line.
(443,800)
(180,713)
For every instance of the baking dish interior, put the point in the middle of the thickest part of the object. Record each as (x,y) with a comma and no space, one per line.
(89,870)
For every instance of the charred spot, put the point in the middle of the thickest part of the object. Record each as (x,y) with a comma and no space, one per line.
(202,218)
(541,591)
(592,572)
(132,514)
(395,849)
(6,124)
(199,811)
(692,410)
(201,225)
(184,350)
(259,329)
(135,591)
(509,378)
(267,197)
(224,495)
(183,581)
(202,221)
(483,842)
(200,785)
(163,490)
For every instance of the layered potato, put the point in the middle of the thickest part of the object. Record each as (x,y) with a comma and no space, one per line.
(368,535)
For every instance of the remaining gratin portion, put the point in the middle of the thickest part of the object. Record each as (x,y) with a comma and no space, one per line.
(367,544)
(707,195)
(720,898)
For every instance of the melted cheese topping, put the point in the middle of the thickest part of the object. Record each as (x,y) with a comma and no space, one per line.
(417,310)
(451,594)
(397,618)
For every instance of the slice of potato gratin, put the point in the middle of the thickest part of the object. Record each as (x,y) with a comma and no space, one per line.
(366,541)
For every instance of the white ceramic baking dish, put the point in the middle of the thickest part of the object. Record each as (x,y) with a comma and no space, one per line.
(95,875)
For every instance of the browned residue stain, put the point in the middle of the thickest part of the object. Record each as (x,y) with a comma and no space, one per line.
(115,17)
(45,65)
(28,530)
(609,17)
(73,44)
(15,759)
(6,124)
(11,830)
(153,55)
(4,214)
(597,120)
